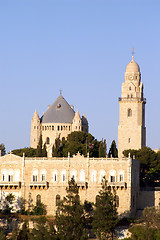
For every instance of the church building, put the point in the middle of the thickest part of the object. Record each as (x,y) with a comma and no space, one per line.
(58,121)
(46,179)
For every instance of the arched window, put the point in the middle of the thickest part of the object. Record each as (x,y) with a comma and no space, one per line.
(10,176)
(43,175)
(35,176)
(55,176)
(52,128)
(4,175)
(58,199)
(58,128)
(130,88)
(47,140)
(129,112)
(121,176)
(63,176)
(112,175)
(38,198)
(63,139)
(82,176)
(93,176)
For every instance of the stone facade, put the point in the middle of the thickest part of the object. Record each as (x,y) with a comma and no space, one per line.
(47,178)
(58,121)
(131,129)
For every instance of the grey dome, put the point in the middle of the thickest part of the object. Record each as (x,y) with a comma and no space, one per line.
(59,112)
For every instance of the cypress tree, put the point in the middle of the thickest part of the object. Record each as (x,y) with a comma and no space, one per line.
(102,148)
(44,151)
(39,148)
(113,151)
(70,220)
(105,215)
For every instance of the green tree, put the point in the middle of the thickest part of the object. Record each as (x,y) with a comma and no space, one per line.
(39,209)
(149,164)
(105,215)
(3,149)
(24,232)
(150,229)
(29,152)
(39,148)
(44,151)
(57,148)
(2,234)
(113,150)
(70,220)
(80,142)
(8,205)
(43,229)
(102,148)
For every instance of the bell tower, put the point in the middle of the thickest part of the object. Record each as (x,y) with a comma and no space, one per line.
(131,129)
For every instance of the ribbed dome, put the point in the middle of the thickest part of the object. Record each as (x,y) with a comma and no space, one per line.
(132,66)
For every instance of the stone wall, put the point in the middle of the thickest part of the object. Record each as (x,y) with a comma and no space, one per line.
(48,177)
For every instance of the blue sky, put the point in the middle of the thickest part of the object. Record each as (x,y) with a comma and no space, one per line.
(81,47)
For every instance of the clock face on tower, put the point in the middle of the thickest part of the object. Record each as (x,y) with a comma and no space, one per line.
(130,77)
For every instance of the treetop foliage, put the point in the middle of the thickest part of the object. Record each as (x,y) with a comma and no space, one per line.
(113,151)
(149,164)
(29,152)
(3,149)
(70,220)
(150,229)
(79,142)
(105,216)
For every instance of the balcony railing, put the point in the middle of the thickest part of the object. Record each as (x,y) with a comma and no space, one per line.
(82,184)
(10,184)
(117,184)
(39,185)
(132,99)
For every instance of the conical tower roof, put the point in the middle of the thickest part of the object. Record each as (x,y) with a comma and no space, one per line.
(35,116)
(59,112)
(77,116)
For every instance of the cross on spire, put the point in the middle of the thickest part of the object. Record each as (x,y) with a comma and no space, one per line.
(60,91)
(133,53)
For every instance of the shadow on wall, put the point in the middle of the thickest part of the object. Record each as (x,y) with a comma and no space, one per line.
(146,198)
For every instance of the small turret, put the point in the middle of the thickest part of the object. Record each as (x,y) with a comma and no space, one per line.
(84,124)
(35,130)
(77,122)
